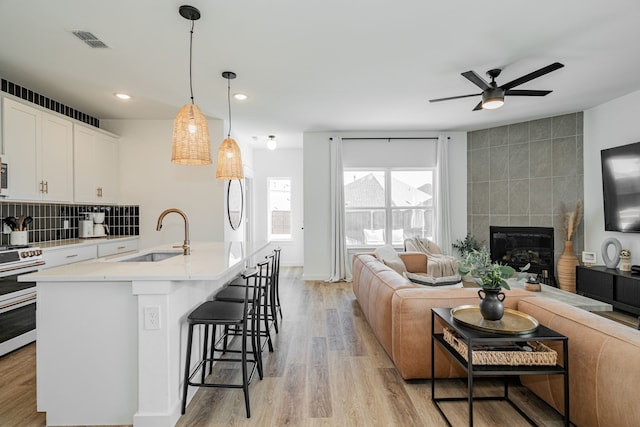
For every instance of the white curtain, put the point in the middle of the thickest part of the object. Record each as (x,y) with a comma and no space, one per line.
(442,232)
(340,268)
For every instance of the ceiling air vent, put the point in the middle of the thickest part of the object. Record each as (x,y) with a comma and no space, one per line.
(91,40)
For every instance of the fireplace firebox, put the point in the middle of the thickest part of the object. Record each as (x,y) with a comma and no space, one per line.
(519,246)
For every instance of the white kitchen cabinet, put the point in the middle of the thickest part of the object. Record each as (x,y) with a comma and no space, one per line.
(95,166)
(55,257)
(68,254)
(39,147)
(117,247)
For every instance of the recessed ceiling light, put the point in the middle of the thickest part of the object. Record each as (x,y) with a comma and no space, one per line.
(122,96)
(240,96)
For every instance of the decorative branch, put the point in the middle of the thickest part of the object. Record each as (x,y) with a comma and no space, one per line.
(570,220)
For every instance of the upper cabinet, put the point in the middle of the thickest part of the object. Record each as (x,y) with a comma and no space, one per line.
(96,166)
(39,147)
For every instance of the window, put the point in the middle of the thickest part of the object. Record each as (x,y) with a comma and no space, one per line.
(387,206)
(279,215)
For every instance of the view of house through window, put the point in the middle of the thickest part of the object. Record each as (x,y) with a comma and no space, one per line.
(387,206)
(279,208)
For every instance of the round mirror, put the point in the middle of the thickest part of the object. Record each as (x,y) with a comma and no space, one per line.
(235,203)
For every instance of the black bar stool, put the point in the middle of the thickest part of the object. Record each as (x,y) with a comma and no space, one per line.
(225,314)
(276,283)
(274,288)
(234,293)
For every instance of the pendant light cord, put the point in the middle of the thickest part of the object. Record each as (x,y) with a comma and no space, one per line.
(229,104)
(191,60)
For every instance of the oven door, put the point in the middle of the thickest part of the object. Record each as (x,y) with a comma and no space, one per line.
(17,313)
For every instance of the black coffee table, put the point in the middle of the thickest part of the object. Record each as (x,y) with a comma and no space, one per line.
(474,337)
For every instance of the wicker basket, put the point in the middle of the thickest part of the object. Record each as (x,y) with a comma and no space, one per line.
(540,356)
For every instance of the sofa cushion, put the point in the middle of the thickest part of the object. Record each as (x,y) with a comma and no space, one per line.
(390,258)
(434,282)
(414,262)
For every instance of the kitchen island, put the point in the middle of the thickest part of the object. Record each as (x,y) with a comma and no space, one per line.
(111,333)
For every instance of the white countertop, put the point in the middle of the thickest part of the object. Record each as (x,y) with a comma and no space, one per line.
(208,261)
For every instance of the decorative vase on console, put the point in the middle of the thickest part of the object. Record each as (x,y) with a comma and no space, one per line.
(490,277)
(568,261)
(567,264)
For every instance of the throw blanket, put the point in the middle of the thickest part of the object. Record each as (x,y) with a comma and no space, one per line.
(438,265)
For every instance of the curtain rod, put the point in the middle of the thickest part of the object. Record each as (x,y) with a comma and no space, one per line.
(390,138)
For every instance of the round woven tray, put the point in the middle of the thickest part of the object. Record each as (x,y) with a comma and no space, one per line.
(512,323)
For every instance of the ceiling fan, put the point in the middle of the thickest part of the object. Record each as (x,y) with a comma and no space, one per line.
(493,95)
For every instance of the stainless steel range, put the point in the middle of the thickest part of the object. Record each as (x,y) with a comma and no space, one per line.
(17,299)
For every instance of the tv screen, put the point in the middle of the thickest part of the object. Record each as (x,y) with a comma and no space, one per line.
(621,188)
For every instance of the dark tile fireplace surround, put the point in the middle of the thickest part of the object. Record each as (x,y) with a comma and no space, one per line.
(519,246)
(49,219)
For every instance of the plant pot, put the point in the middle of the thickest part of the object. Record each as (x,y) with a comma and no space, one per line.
(567,264)
(491,306)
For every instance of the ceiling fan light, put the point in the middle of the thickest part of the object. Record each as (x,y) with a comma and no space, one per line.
(492,103)
(492,99)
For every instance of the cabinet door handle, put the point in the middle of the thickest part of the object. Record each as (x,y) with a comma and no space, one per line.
(121,247)
(42,186)
(46,187)
(72,256)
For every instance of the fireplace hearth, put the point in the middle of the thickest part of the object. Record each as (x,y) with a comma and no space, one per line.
(519,246)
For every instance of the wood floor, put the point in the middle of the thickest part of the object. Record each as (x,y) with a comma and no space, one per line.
(327,370)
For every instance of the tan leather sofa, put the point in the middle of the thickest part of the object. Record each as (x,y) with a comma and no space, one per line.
(399,312)
(604,356)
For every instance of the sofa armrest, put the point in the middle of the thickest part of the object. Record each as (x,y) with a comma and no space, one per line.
(415,262)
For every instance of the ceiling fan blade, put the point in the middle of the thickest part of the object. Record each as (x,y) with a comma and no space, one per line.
(523,92)
(478,107)
(534,75)
(474,78)
(454,97)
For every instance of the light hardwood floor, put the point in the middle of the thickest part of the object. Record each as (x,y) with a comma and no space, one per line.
(328,369)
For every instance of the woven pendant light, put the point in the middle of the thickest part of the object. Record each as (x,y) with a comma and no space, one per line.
(229,156)
(190,144)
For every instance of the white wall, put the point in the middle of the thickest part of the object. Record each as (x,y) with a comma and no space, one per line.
(149,179)
(317,247)
(281,163)
(607,125)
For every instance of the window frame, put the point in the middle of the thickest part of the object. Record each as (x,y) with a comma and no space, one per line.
(270,235)
(388,208)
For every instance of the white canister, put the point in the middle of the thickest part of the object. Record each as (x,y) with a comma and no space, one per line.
(18,238)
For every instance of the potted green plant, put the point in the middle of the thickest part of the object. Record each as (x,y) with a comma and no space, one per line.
(491,277)
(466,245)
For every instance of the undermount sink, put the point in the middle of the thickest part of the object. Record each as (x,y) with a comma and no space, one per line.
(151,257)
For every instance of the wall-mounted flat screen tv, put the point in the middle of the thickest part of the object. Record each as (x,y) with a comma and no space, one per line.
(621,188)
